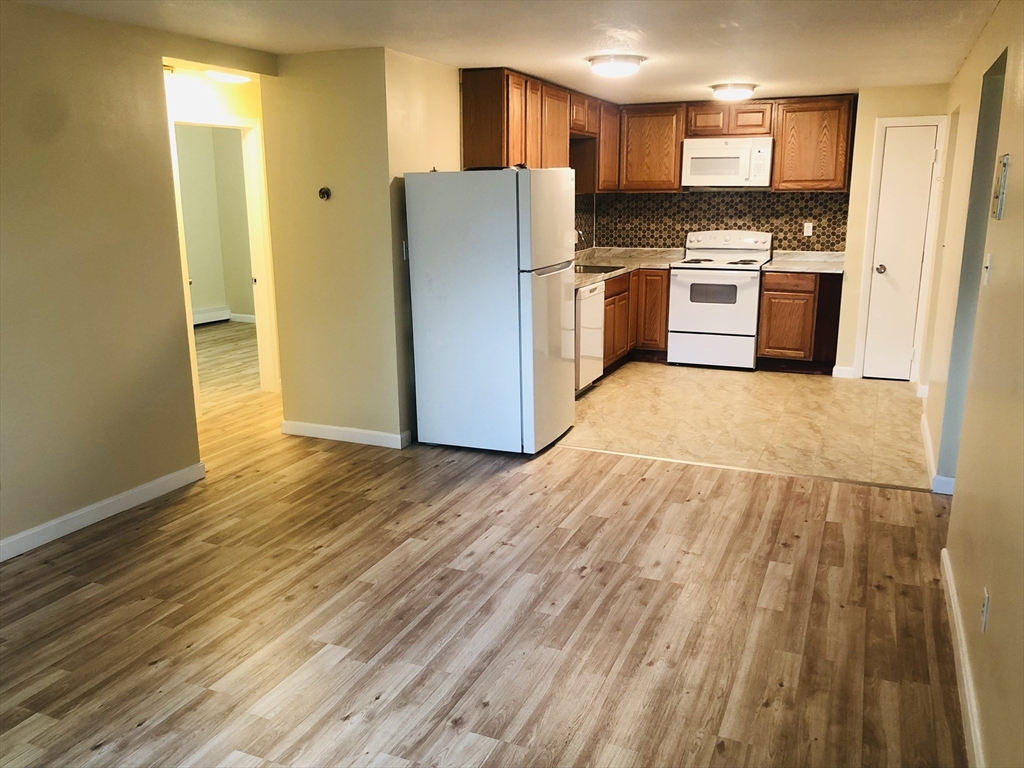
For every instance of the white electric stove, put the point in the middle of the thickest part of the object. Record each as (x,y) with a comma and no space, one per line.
(713,298)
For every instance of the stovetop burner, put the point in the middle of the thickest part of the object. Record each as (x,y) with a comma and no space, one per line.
(744,261)
(695,261)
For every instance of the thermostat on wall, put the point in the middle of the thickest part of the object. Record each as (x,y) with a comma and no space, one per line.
(999,193)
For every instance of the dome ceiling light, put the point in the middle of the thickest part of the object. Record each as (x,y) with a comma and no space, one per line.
(733,91)
(615,65)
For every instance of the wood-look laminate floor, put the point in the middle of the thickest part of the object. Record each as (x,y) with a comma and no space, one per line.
(319,603)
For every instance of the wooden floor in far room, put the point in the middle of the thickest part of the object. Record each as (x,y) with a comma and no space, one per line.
(322,603)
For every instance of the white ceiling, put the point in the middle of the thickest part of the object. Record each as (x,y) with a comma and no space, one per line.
(787,47)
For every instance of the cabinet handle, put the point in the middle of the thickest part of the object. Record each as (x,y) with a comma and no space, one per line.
(880,269)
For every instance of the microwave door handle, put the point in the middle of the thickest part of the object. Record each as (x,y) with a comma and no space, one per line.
(745,162)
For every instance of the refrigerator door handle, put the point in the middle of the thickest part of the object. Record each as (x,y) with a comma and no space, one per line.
(555,268)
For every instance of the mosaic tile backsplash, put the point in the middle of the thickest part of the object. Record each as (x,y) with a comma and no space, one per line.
(585,221)
(663,219)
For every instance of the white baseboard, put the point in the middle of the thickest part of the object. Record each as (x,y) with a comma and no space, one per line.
(964,677)
(844,372)
(19,543)
(942,484)
(347,434)
(242,318)
(210,315)
(922,389)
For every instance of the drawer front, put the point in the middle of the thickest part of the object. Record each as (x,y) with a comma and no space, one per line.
(616,285)
(789,281)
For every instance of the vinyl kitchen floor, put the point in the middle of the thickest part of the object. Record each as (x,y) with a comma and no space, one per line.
(849,429)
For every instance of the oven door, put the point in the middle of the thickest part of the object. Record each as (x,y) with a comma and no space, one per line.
(714,301)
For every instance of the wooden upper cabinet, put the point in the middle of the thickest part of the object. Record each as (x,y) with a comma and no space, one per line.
(578,112)
(650,146)
(584,114)
(711,119)
(714,118)
(515,119)
(554,142)
(484,122)
(812,143)
(593,116)
(608,149)
(533,123)
(750,118)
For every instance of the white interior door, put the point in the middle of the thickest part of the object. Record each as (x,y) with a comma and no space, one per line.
(904,197)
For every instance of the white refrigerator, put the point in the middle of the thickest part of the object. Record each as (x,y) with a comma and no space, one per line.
(491,256)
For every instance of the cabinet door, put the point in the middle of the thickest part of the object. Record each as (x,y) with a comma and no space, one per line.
(634,305)
(608,149)
(650,145)
(593,116)
(652,324)
(515,119)
(812,140)
(711,119)
(554,142)
(533,124)
(609,332)
(577,112)
(750,119)
(621,325)
(787,325)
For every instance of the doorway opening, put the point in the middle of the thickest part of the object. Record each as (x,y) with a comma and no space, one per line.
(211,183)
(220,195)
(971,268)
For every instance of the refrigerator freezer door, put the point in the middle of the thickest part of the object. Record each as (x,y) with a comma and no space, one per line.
(547,217)
(463,270)
(548,313)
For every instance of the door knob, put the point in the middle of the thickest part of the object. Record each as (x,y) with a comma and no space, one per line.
(880,269)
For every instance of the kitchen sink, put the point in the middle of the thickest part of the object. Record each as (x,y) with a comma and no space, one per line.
(594,269)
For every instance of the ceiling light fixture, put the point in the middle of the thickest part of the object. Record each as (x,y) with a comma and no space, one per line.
(227,77)
(615,65)
(733,91)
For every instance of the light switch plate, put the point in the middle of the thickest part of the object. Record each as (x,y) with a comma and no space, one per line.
(808,228)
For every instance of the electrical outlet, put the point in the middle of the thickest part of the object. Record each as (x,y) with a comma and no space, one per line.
(808,228)
(984,611)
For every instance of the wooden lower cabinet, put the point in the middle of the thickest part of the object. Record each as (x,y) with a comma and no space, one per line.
(787,325)
(635,313)
(616,318)
(616,328)
(652,309)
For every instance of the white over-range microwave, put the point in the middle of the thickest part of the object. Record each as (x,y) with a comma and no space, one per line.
(732,162)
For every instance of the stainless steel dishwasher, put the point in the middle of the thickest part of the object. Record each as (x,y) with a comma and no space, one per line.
(589,335)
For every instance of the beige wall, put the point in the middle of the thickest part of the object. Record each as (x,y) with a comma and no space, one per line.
(95,389)
(354,121)
(423,106)
(197,171)
(872,103)
(325,125)
(964,101)
(233,219)
(986,535)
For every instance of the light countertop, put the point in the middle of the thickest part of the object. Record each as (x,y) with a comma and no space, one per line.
(806,261)
(626,258)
